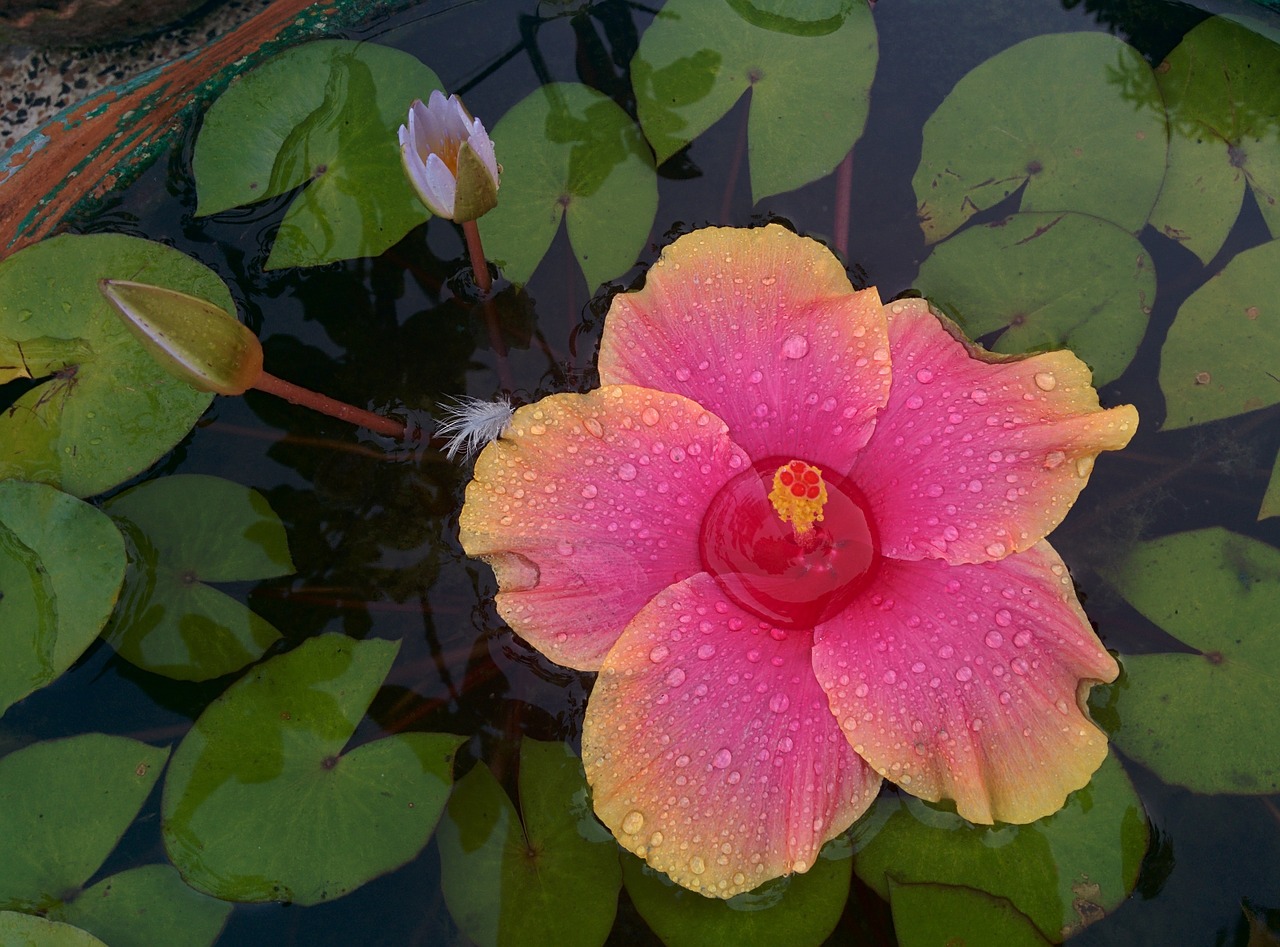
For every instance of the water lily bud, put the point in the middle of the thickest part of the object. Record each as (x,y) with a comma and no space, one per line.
(449,159)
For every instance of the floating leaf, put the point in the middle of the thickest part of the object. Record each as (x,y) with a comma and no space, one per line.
(1271,500)
(930,915)
(582,158)
(1222,354)
(1221,85)
(508,876)
(145,906)
(190,338)
(1076,117)
(104,410)
(809,68)
(262,804)
(61,565)
(1050,281)
(796,910)
(63,806)
(187,530)
(1063,872)
(323,115)
(27,930)
(1200,719)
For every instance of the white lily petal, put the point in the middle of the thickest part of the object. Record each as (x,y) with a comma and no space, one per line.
(441,185)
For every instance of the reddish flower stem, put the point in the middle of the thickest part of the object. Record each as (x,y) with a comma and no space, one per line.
(480,267)
(844,196)
(326,405)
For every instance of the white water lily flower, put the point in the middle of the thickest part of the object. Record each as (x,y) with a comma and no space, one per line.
(449,159)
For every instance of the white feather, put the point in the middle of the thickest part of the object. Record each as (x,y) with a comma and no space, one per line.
(471,423)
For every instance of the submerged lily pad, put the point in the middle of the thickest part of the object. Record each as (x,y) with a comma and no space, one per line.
(808,67)
(797,910)
(1076,117)
(64,804)
(1203,719)
(61,565)
(145,906)
(1222,354)
(1063,872)
(581,158)
(262,804)
(1222,87)
(187,530)
(508,876)
(323,115)
(103,409)
(27,930)
(1050,281)
(931,915)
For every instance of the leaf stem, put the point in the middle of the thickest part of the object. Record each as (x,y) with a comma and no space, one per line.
(295,394)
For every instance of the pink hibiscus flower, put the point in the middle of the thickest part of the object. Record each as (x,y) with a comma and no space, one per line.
(800,534)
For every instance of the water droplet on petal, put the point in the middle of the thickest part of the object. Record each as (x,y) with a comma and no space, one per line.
(1046,381)
(994,639)
(633,822)
(650,416)
(779,702)
(659,653)
(722,759)
(706,652)
(1019,665)
(697,865)
(996,550)
(676,677)
(589,491)
(626,471)
(964,673)
(924,376)
(1003,618)
(795,346)
(593,427)
(1054,459)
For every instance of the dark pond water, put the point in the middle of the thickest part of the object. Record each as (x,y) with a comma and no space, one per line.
(372,527)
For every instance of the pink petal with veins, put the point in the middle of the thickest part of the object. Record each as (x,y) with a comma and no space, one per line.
(762,328)
(710,748)
(977,455)
(968,682)
(588,506)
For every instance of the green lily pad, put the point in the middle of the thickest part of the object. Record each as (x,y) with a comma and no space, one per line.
(1200,719)
(323,115)
(809,68)
(104,409)
(145,906)
(1050,281)
(27,930)
(1063,872)
(1222,354)
(1076,117)
(931,915)
(61,565)
(1271,500)
(581,158)
(508,876)
(64,804)
(262,804)
(188,530)
(1221,85)
(797,910)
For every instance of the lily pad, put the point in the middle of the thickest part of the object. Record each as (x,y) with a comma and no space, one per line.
(809,68)
(508,876)
(322,116)
(1049,281)
(1222,354)
(103,410)
(930,915)
(61,565)
(145,906)
(185,531)
(1075,117)
(64,804)
(1271,500)
(1063,872)
(1221,85)
(27,930)
(1199,718)
(262,804)
(797,910)
(581,158)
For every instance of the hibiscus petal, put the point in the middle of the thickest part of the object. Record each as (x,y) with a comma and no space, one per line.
(710,748)
(968,682)
(761,327)
(978,455)
(589,505)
